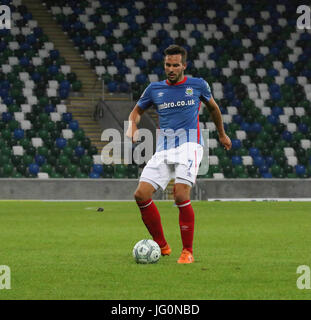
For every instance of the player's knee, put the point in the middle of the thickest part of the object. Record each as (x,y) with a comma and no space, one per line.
(180,196)
(181,193)
(139,195)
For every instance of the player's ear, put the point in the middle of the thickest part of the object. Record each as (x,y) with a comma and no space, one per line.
(185,65)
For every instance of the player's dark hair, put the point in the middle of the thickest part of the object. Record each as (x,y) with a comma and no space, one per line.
(175,49)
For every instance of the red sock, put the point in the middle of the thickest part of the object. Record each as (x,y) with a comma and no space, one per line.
(152,220)
(186,223)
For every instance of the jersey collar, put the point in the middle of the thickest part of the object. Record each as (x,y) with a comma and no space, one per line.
(177,83)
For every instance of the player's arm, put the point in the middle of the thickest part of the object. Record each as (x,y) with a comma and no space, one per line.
(217,119)
(134,119)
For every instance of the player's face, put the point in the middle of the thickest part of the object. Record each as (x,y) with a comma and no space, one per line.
(174,68)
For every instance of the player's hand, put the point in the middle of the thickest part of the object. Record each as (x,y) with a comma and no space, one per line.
(132,132)
(225,141)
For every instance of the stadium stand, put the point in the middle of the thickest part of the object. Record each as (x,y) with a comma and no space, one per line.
(39,137)
(254,58)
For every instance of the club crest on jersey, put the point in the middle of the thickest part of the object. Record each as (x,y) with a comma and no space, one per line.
(189,91)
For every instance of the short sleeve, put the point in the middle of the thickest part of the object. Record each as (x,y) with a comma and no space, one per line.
(205,91)
(145,100)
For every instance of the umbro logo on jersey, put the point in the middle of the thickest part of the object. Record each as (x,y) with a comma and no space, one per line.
(160,94)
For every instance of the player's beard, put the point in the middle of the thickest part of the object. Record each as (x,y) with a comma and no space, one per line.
(176,78)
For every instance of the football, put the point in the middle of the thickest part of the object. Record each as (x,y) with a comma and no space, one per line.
(146,251)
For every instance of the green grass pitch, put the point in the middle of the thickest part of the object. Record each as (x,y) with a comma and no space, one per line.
(68,250)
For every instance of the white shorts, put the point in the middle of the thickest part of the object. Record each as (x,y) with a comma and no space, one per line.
(181,163)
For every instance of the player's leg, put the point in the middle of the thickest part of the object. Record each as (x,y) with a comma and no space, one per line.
(185,176)
(144,191)
(150,214)
(182,191)
(186,219)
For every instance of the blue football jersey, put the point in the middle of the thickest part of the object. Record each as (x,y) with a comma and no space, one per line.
(178,108)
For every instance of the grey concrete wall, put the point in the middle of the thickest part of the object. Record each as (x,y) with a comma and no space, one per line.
(116,112)
(123,189)
(251,188)
(65,189)
(109,119)
(69,189)
(122,109)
